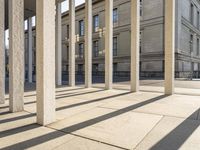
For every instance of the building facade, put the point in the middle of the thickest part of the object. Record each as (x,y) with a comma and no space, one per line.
(187,48)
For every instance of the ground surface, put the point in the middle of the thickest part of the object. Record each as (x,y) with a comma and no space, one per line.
(95,119)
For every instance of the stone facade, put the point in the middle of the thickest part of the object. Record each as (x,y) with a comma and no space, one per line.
(187,52)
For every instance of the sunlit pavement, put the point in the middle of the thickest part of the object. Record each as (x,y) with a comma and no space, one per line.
(96,119)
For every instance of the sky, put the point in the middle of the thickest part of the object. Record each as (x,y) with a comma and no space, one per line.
(65,7)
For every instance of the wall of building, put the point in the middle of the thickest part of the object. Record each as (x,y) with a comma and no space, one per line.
(187,52)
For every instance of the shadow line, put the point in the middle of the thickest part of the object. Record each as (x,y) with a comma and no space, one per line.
(92,101)
(178,136)
(9,132)
(17,118)
(44,138)
(66,95)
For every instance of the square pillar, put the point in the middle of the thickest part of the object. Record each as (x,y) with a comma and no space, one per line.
(108,44)
(45,61)
(58,44)
(72,40)
(135,44)
(169,46)
(2,52)
(16,55)
(30,51)
(88,43)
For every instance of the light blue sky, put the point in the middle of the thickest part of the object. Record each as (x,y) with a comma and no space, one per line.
(65,7)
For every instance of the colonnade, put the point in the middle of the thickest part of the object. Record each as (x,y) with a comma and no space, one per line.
(49,51)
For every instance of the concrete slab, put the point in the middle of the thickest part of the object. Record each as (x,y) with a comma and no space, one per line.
(85,144)
(33,136)
(173,133)
(121,128)
(15,120)
(176,105)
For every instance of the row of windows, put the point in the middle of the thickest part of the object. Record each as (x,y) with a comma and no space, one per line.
(96,22)
(96,50)
(192,11)
(197,45)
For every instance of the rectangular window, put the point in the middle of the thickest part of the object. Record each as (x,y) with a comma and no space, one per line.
(95,48)
(80,68)
(67,52)
(197,46)
(198,19)
(114,46)
(115,16)
(68,31)
(141,11)
(114,67)
(81,27)
(191,13)
(140,42)
(191,43)
(81,50)
(95,23)
(95,68)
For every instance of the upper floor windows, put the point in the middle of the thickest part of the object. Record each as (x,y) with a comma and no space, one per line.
(115,16)
(81,50)
(114,46)
(95,48)
(95,23)
(81,27)
(192,13)
(68,31)
(198,19)
(141,10)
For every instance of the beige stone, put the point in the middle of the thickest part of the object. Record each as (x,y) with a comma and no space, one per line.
(16,55)
(2,54)
(45,61)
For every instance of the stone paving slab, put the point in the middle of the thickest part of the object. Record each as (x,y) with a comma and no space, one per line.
(85,144)
(15,120)
(34,137)
(176,105)
(171,134)
(121,128)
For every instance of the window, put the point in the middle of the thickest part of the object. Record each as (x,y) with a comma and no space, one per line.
(80,68)
(141,11)
(197,46)
(34,42)
(95,48)
(95,67)
(191,12)
(114,67)
(115,16)
(114,46)
(140,42)
(81,50)
(197,19)
(95,23)
(68,31)
(67,52)
(81,28)
(191,43)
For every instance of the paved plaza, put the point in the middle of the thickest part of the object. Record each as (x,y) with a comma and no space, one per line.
(97,119)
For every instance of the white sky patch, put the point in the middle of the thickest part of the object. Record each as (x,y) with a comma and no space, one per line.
(65,7)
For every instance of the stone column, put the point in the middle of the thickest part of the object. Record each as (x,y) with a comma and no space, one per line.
(88,43)
(30,51)
(169,46)
(16,55)
(58,45)
(72,41)
(45,61)
(135,44)
(108,44)
(2,52)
